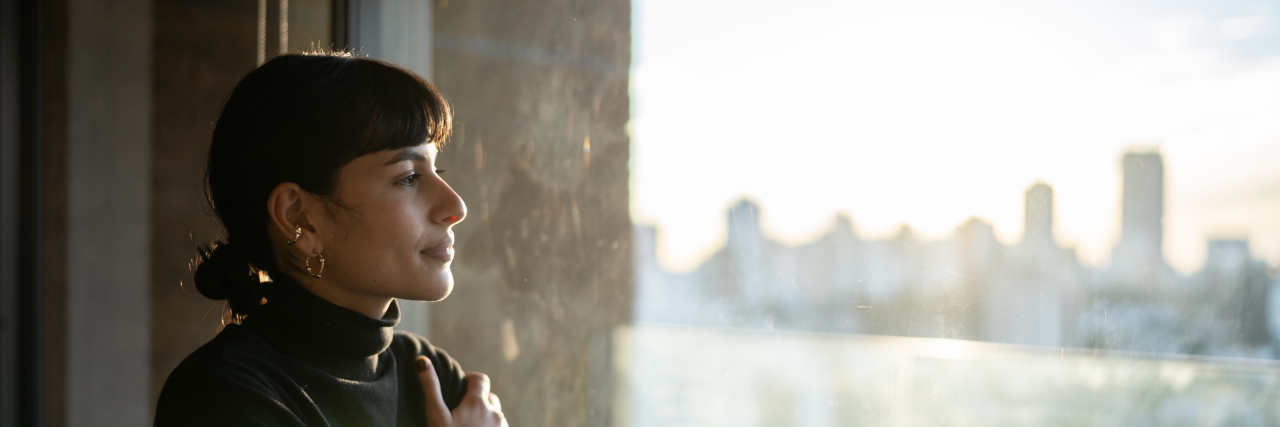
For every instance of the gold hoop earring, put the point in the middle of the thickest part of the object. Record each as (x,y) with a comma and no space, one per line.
(296,234)
(318,273)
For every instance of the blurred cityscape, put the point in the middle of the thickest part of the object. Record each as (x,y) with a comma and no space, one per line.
(971,286)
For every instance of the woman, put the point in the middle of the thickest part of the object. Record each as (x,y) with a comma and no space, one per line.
(322,172)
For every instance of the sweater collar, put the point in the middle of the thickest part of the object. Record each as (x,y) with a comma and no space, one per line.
(313,330)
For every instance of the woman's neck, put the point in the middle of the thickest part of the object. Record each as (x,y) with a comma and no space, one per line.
(374,306)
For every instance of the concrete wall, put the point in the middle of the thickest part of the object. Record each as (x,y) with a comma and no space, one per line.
(540,155)
(108,212)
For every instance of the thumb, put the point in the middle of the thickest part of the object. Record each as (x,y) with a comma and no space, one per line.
(437,413)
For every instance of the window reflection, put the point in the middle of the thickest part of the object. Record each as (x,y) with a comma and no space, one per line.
(714,377)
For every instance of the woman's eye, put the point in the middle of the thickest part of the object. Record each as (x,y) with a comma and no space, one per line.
(410,180)
(440,171)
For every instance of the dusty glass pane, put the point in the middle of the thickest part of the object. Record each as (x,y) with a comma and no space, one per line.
(1077,194)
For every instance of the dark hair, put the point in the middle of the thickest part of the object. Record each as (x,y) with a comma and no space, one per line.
(300,118)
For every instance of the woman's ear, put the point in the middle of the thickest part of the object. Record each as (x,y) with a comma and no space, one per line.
(288,206)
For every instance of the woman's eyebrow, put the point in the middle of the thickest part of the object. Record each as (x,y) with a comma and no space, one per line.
(407,154)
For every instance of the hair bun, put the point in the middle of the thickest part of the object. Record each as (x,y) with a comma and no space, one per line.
(223,272)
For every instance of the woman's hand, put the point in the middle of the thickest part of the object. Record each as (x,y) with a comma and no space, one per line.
(479,408)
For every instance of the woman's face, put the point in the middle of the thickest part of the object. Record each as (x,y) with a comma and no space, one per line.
(392,234)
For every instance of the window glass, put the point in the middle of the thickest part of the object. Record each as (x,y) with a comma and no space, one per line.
(1009,213)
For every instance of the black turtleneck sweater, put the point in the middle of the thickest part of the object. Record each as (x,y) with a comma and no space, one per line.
(299,360)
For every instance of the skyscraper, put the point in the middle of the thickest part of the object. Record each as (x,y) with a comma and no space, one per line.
(1033,297)
(1038,224)
(1138,258)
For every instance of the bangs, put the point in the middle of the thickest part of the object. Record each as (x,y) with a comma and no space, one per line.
(318,112)
(392,108)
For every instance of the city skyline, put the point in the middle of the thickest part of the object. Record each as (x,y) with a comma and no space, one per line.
(927,113)
(1138,234)
(971,286)
(1141,236)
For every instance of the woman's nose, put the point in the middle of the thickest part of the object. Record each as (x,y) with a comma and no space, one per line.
(449,207)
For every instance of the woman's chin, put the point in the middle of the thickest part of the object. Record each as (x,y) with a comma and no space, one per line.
(438,289)
(442,294)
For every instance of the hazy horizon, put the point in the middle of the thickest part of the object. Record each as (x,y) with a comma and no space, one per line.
(926,113)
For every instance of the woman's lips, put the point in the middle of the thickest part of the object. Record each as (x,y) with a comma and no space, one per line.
(442,252)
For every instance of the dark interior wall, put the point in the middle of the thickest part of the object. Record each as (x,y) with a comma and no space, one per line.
(540,154)
(54,212)
(201,49)
(108,211)
(310,25)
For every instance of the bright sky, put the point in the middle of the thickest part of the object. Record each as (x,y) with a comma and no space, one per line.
(927,112)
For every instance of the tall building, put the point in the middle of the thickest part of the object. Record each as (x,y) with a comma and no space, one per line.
(748,268)
(1237,284)
(1034,297)
(1138,258)
(1038,223)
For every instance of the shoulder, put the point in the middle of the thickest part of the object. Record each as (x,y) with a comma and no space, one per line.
(409,346)
(221,359)
(411,342)
(210,388)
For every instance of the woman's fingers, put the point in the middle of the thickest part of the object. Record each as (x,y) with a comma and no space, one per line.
(478,385)
(495,403)
(496,406)
(479,407)
(437,413)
